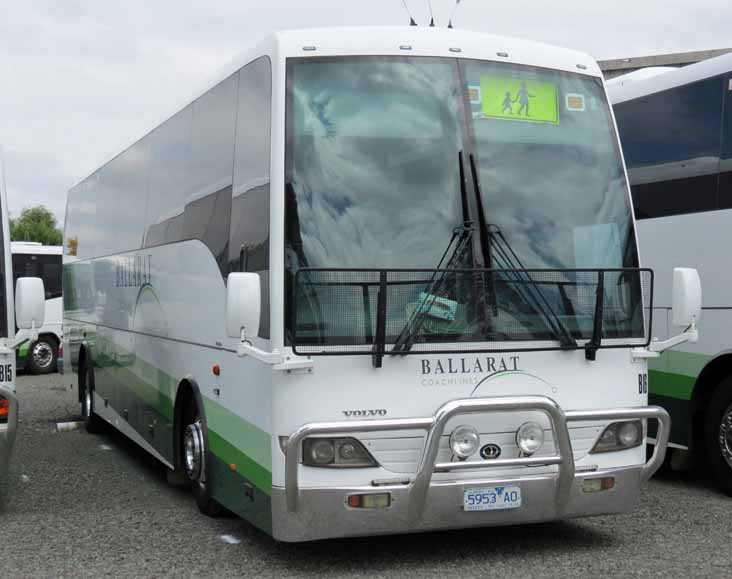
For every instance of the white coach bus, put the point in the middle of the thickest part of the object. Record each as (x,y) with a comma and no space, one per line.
(676,132)
(24,306)
(44,261)
(375,280)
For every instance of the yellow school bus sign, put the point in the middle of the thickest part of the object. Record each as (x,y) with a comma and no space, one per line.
(519,100)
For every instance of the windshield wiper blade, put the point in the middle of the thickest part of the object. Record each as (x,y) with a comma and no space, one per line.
(514,265)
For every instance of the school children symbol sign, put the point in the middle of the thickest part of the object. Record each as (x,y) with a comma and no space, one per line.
(519,100)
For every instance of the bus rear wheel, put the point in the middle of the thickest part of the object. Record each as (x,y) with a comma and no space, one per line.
(42,356)
(193,460)
(719,435)
(93,423)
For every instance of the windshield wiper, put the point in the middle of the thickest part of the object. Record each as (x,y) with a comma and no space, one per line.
(451,258)
(594,344)
(536,298)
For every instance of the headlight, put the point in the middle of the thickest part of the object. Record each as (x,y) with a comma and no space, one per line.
(530,437)
(336,453)
(464,441)
(620,436)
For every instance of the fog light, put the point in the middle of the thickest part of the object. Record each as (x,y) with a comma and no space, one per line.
(370,501)
(530,437)
(464,441)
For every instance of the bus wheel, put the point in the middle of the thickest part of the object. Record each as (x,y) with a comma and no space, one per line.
(42,356)
(719,434)
(94,424)
(194,463)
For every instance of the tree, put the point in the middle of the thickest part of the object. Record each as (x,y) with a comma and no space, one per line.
(36,224)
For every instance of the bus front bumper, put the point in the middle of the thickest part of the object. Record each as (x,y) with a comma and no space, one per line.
(423,504)
(8,430)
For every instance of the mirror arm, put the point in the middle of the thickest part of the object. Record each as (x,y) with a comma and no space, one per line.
(275,358)
(657,346)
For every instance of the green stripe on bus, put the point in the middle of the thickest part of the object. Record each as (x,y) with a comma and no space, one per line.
(23,350)
(671,385)
(259,476)
(240,433)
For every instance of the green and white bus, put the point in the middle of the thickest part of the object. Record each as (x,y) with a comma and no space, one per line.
(31,259)
(375,280)
(676,131)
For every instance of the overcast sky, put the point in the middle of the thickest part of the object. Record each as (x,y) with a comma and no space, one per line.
(82,79)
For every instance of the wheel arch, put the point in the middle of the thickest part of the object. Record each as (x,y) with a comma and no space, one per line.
(712,375)
(188,390)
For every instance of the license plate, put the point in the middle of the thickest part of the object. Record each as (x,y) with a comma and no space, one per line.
(492,498)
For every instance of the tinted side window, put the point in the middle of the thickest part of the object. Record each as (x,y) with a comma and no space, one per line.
(671,145)
(50,266)
(725,164)
(208,201)
(170,153)
(121,199)
(249,237)
(189,192)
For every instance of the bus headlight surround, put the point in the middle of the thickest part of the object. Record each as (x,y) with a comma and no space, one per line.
(464,441)
(530,437)
(336,453)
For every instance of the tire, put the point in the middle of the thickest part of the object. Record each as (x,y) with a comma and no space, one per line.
(193,461)
(718,435)
(93,423)
(42,356)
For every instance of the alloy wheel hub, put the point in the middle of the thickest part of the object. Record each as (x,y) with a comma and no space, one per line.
(42,354)
(193,451)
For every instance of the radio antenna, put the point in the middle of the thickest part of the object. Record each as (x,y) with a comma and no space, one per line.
(432,16)
(452,14)
(411,18)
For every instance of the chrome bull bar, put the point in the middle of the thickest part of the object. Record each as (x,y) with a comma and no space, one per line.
(8,430)
(435,426)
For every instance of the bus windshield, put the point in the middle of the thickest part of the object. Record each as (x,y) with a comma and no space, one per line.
(373,180)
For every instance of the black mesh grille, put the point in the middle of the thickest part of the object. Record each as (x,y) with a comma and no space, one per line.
(335,311)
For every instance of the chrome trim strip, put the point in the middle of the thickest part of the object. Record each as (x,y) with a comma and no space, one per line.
(8,430)
(435,426)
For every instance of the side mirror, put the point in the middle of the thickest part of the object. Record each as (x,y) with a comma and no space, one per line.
(243,304)
(30,303)
(687,297)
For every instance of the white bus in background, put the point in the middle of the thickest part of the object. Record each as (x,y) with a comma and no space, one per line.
(386,280)
(32,259)
(676,133)
(24,306)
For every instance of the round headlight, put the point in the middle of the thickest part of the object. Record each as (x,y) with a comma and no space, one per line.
(464,441)
(322,452)
(628,433)
(530,437)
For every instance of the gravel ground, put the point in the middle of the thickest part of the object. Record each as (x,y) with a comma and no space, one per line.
(75,504)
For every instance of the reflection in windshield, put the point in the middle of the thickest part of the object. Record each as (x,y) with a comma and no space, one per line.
(373,182)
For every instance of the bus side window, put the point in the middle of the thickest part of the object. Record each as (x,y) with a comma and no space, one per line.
(249,233)
(671,147)
(725,162)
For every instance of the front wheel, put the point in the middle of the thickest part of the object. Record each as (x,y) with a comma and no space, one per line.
(42,356)
(719,435)
(194,463)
